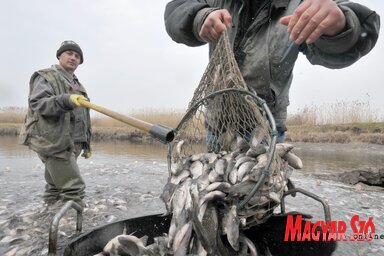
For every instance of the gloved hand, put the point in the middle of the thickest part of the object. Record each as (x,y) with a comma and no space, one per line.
(86,154)
(74,98)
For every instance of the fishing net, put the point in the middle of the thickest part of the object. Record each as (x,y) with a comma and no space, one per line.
(226,172)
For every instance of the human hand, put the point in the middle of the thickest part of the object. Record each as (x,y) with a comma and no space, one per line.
(312,19)
(86,154)
(215,23)
(75,99)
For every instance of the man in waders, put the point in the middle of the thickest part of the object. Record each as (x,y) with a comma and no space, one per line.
(56,127)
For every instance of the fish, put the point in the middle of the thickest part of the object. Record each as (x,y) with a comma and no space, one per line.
(230,227)
(204,190)
(179,147)
(126,245)
(257,137)
(179,178)
(230,165)
(293,160)
(196,169)
(243,159)
(213,195)
(214,176)
(220,166)
(244,169)
(232,177)
(182,239)
(283,148)
(167,195)
(241,145)
(220,186)
(255,151)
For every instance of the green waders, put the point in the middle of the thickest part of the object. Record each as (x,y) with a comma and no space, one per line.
(63,178)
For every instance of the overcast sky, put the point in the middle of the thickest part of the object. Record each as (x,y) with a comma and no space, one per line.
(131,64)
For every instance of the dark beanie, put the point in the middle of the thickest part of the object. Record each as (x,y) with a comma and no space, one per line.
(70,46)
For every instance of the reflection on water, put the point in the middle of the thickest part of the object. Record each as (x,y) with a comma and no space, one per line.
(322,158)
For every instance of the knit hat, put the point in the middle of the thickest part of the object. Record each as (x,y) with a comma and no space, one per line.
(69,45)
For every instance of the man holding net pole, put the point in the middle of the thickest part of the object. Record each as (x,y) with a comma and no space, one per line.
(268,35)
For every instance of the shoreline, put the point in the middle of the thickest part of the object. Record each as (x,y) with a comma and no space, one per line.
(365,133)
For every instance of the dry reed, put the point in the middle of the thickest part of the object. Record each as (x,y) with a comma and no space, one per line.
(341,112)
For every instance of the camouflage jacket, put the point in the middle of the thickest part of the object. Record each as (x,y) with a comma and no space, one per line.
(52,124)
(263,51)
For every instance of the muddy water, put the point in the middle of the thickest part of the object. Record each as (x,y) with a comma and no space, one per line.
(125,180)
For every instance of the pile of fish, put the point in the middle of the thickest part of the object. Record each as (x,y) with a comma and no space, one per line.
(203,194)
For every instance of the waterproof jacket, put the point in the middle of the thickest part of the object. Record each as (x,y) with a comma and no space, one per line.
(53,124)
(262,48)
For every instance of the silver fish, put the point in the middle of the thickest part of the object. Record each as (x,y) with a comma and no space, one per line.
(179,147)
(255,151)
(126,245)
(283,148)
(231,227)
(244,169)
(293,160)
(213,195)
(179,178)
(241,145)
(243,159)
(257,137)
(230,164)
(214,176)
(220,166)
(232,177)
(196,169)
(182,239)
(221,186)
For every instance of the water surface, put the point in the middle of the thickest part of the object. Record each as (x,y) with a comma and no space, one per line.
(124,180)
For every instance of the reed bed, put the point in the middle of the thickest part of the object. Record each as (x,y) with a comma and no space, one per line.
(341,112)
(340,122)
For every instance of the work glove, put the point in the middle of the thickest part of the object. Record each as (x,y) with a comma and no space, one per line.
(86,151)
(86,154)
(74,98)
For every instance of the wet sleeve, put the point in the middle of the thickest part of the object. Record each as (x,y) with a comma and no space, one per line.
(43,100)
(183,18)
(356,40)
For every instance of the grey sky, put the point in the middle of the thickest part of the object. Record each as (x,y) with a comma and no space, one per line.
(130,63)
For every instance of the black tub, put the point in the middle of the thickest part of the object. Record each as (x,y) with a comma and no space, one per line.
(268,237)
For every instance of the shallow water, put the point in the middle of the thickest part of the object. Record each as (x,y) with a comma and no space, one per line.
(124,181)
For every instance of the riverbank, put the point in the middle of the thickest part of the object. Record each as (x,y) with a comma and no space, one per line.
(372,133)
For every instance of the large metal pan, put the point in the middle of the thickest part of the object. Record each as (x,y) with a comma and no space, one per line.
(267,237)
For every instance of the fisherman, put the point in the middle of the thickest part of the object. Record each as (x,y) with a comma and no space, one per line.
(56,127)
(267,36)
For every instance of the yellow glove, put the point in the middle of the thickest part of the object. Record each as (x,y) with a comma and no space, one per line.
(74,98)
(86,154)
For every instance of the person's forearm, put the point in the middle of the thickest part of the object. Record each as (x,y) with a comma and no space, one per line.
(43,100)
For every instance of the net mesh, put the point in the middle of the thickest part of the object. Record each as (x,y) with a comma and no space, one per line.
(215,114)
(224,163)
(225,119)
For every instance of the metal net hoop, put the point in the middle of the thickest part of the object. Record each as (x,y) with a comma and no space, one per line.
(224,117)
(222,109)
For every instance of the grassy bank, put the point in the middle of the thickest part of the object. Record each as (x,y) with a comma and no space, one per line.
(306,125)
(343,133)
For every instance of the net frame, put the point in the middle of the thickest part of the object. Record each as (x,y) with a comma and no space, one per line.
(222,82)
